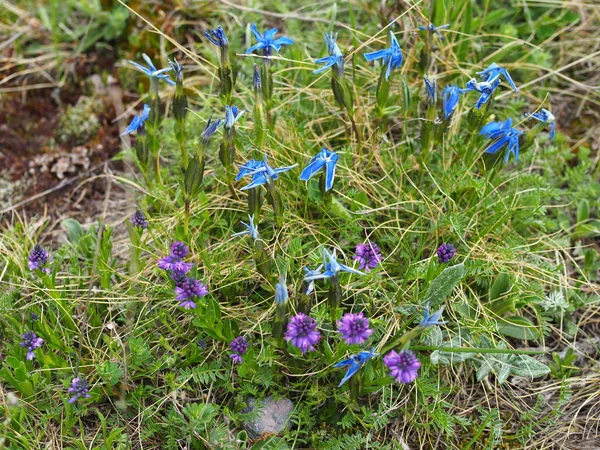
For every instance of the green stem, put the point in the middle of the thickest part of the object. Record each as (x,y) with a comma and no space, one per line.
(484,350)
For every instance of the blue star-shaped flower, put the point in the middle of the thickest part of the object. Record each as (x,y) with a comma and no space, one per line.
(545,116)
(266,41)
(251,230)
(450,97)
(433,29)
(151,71)
(281,292)
(504,134)
(391,56)
(324,159)
(430,320)
(354,363)
(217,37)
(211,128)
(232,115)
(335,58)
(331,266)
(261,172)
(495,71)
(137,121)
(485,88)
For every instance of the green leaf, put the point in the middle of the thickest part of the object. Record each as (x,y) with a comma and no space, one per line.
(500,287)
(526,366)
(74,230)
(518,327)
(110,372)
(441,287)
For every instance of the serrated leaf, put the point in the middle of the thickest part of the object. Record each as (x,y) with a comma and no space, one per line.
(442,286)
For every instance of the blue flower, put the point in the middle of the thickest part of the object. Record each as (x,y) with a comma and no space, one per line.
(217,37)
(391,56)
(433,29)
(331,266)
(256,81)
(547,117)
(430,320)
(335,58)
(251,230)
(232,115)
(266,41)
(450,97)
(151,70)
(485,88)
(431,89)
(354,363)
(310,274)
(325,158)
(137,121)
(261,172)
(495,71)
(177,69)
(211,128)
(504,134)
(281,292)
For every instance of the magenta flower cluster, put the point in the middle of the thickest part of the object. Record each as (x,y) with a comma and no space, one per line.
(31,341)
(354,328)
(404,366)
(173,261)
(302,332)
(39,259)
(445,252)
(368,255)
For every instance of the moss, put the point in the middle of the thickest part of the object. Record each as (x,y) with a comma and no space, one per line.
(79,123)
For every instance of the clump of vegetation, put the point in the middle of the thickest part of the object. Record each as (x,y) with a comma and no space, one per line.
(380,234)
(80,122)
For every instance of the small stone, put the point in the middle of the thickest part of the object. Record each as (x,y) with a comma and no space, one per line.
(272,417)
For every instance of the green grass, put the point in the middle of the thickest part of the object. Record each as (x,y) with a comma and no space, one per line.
(523,231)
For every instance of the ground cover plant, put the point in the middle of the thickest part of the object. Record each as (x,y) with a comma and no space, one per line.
(366,215)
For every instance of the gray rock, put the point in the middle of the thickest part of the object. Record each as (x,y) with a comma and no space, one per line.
(269,416)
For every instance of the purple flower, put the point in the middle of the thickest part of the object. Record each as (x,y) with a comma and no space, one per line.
(239,345)
(138,219)
(188,290)
(173,261)
(404,367)
(445,252)
(179,278)
(38,258)
(368,255)
(79,387)
(31,341)
(302,332)
(354,328)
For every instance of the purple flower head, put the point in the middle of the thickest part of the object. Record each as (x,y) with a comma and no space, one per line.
(173,261)
(79,387)
(39,258)
(302,332)
(31,341)
(189,290)
(445,252)
(354,328)
(138,219)
(239,345)
(368,255)
(404,367)
(180,278)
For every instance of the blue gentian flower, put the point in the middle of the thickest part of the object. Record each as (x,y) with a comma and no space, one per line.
(137,121)
(324,159)
(331,266)
(217,37)
(281,292)
(391,56)
(547,117)
(433,29)
(354,363)
(495,71)
(335,58)
(450,97)
(430,320)
(232,115)
(430,89)
(211,128)
(151,71)
(261,173)
(177,69)
(504,134)
(266,41)
(251,230)
(310,275)
(485,88)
